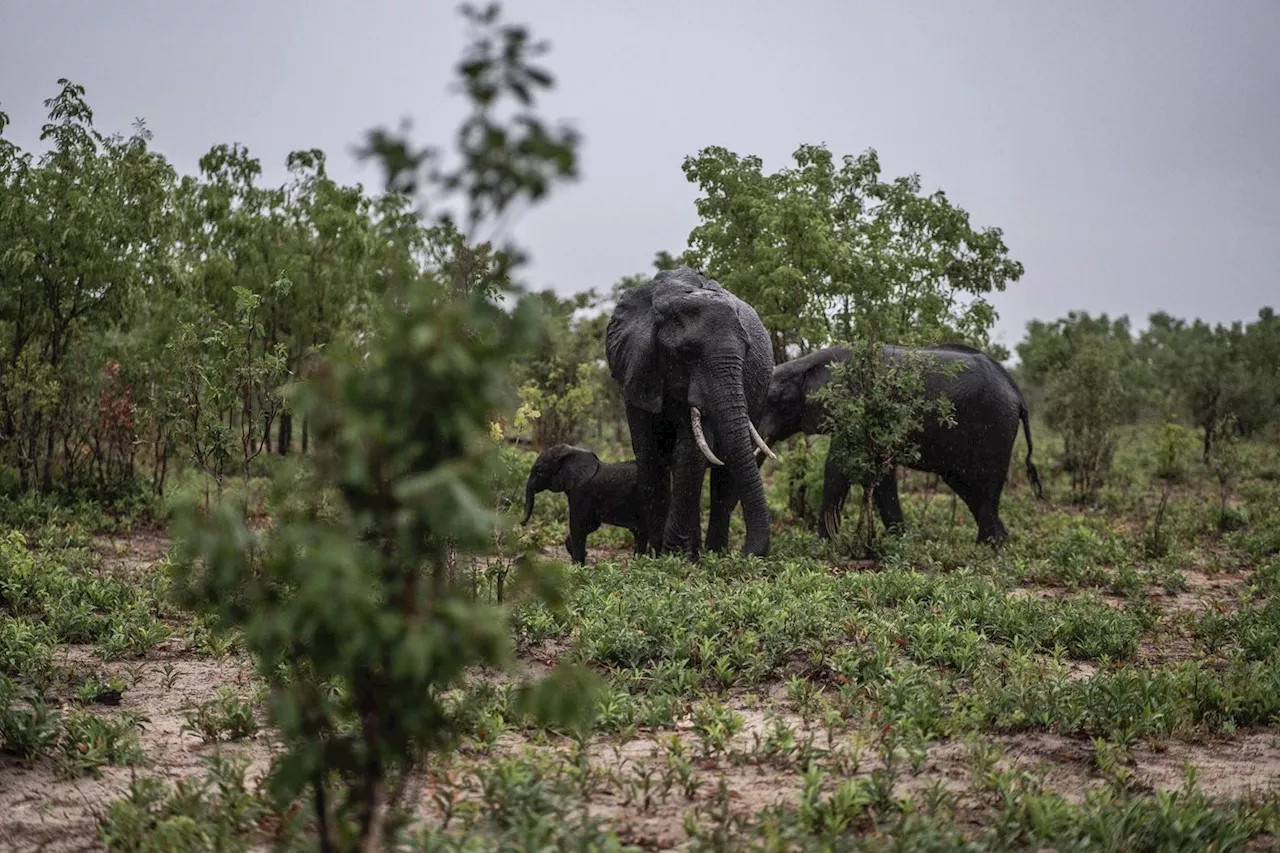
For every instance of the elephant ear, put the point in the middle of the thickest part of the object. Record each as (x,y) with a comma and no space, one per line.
(815,377)
(576,467)
(631,348)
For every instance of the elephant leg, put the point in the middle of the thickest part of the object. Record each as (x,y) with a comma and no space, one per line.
(885,497)
(724,497)
(577,539)
(651,440)
(835,489)
(724,500)
(990,527)
(683,532)
(641,540)
(576,542)
(981,506)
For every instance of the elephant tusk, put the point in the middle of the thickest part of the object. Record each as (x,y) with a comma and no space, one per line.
(695,417)
(755,436)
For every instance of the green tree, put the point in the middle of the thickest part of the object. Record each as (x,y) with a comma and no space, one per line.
(1225,460)
(826,250)
(561,377)
(1205,370)
(874,407)
(82,231)
(1091,380)
(1170,471)
(1260,350)
(354,616)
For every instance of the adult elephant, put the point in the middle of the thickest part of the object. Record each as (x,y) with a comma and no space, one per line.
(972,456)
(694,364)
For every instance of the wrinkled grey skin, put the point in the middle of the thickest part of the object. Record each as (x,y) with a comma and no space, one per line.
(972,457)
(682,340)
(598,494)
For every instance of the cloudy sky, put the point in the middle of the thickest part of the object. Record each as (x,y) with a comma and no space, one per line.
(1130,151)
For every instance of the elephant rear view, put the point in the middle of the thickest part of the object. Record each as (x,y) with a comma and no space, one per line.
(693,362)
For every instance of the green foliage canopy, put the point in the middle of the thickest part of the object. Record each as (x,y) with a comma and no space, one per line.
(828,250)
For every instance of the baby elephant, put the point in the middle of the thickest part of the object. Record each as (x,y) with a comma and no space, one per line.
(598,493)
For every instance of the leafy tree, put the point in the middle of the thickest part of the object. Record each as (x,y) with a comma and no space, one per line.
(1171,469)
(664,260)
(1261,352)
(499,163)
(607,411)
(355,616)
(1090,379)
(1225,460)
(80,229)
(874,407)
(224,370)
(826,250)
(561,378)
(1205,370)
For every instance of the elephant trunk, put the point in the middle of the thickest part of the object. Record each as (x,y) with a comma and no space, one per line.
(734,429)
(529,492)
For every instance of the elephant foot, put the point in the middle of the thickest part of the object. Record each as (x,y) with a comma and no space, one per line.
(685,550)
(691,555)
(995,538)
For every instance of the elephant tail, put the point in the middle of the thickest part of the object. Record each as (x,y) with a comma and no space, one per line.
(1033,476)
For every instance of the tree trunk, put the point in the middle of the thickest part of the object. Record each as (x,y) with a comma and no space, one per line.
(285,441)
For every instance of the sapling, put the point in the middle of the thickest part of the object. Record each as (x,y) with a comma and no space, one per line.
(1225,460)
(1171,469)
(875,406)
(348,604)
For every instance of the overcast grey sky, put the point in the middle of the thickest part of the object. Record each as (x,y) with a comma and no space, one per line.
(1129,150)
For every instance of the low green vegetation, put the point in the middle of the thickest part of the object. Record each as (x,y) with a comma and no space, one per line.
(951,695)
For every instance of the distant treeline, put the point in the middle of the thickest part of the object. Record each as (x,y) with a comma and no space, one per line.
(150,320)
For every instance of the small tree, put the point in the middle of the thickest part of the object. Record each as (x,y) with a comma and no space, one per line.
(1225,460)
(1087,369)
(875,406)
(349,604)
(363,602)
(559,378)
(1171,469)
(1082,399)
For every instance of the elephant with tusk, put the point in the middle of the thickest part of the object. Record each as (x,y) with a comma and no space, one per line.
(693,362)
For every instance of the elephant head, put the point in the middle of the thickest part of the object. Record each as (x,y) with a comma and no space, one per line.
(790,407)
(559,468)
(683,348)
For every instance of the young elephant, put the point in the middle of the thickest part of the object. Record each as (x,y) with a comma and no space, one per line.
(972,457)
(599,493)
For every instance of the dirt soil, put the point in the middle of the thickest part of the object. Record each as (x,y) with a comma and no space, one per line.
(42,812)
(39,811)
